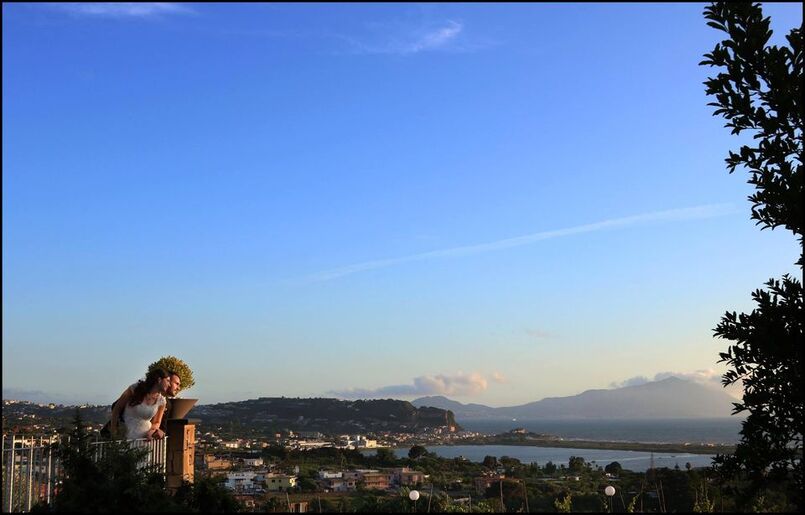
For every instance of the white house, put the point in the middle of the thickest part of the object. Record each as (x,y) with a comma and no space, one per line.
(243,481)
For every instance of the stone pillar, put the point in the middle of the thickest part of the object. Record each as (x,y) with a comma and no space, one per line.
(181,451)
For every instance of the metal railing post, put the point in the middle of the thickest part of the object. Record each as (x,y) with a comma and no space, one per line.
(5,474)
(3,464)
(11,475)
(164,455)
(35,455)
(50,458)
(30,473)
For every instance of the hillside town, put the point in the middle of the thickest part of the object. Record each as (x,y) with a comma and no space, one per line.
(294,470)
(246,467)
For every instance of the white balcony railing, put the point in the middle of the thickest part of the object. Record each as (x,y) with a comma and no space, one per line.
(32,472)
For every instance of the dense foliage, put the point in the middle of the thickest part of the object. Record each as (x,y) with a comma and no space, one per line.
(576,486)
(117,480)
(265,416)
(760,91)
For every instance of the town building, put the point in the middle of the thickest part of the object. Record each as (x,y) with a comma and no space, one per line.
(253,462)
(407,477)
(376,480)
(279,482)
(246,481)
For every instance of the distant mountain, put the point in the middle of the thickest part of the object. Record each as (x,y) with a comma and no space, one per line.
(466,411)
(669,398)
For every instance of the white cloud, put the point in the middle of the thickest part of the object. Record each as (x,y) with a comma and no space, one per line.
(408,41)
(435,38)
(704,376)
(708,377)
(459,384)
(632,381)
(498,377)
(122,9)
(671,215)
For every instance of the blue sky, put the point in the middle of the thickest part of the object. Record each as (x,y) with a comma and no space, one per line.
(497,203)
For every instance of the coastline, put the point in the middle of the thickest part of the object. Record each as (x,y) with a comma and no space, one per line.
(619,446)
(672,448)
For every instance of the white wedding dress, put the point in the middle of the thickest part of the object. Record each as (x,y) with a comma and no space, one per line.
(138,418)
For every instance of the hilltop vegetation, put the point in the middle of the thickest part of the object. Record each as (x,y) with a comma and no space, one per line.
(326,415)
(263,415)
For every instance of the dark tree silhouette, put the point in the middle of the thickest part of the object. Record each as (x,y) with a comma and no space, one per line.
(206,494)
(760,91)
(576,464)
(116,481)
(613,468)
(417,451)
(385,457)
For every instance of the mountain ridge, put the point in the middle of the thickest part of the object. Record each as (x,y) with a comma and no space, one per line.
(671,397)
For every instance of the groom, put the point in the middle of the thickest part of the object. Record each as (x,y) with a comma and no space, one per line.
(173,389)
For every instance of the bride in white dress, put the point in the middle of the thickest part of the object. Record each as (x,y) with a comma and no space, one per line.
(143,405)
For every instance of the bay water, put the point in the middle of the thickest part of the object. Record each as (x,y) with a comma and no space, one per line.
(694,431)
(637,461)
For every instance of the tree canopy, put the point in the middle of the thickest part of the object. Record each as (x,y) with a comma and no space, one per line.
(760,91)
(417,451)
(613,468)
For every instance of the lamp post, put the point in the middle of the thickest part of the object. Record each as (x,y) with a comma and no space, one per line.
(610,491)
(414,496)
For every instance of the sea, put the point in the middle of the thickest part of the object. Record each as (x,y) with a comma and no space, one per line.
(636,461)
(695,431)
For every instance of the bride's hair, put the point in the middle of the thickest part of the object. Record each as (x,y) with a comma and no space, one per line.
(143,387)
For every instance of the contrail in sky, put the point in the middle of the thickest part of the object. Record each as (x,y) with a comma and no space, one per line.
(671,215)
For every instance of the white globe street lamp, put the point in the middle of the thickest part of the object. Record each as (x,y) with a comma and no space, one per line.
(414,496)
(610,491)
